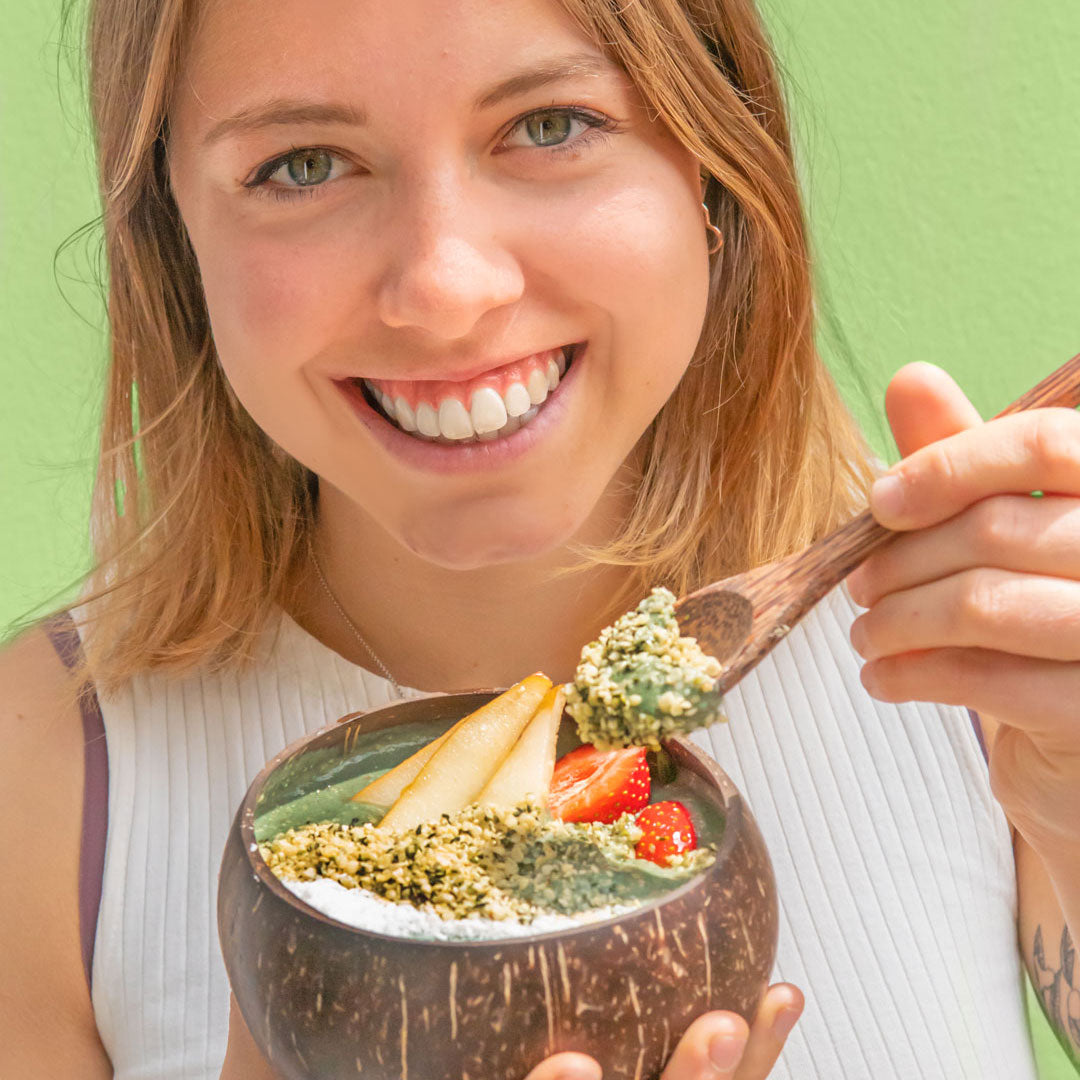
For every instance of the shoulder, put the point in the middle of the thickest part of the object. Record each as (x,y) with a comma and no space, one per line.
(42,982)
(39,710)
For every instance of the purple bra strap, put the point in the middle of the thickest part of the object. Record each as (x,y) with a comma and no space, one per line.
(976,723)
(95,810)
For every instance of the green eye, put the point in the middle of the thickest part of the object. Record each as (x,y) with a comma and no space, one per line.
(309,167)
(548,129)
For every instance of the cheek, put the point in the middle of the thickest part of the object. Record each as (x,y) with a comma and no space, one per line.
(271,299)
(639,259)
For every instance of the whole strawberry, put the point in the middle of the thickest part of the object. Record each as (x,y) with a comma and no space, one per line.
(668,831)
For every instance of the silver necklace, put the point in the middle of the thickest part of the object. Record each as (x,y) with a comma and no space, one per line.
(351,625)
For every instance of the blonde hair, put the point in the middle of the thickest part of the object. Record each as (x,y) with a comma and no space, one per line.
(199,520)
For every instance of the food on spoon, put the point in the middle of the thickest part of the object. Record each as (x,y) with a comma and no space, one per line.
(599,785)
(460,768)
(526,771)
(641,681)
(666,830)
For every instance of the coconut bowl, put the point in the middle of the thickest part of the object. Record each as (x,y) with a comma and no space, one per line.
(323,999)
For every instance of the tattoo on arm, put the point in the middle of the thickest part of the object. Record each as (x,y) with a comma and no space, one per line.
(1057,983)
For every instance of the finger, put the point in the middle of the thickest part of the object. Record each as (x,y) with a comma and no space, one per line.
(1024,614)
(710,1049)
(1038,450)
(567,1066)
(242,1054)
(1007,532)
(924,404)
(1037,696)
(780,1009)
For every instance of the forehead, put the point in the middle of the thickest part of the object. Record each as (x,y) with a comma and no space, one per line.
(393,50)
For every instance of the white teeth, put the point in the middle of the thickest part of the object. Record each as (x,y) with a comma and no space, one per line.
(427,420)
(488,413)
(552,375)
(404,414)
(517,399)
(454,421)
(537,386)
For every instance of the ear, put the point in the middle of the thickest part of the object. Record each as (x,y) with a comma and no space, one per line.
(925,404)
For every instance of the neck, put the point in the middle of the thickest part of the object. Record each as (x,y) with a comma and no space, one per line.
(451,630)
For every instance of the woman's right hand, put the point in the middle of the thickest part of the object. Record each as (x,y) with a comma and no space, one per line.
(716,1046)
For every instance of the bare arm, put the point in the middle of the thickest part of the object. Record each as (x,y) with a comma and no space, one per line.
(1049,949)
(1046,944)
(45,1009)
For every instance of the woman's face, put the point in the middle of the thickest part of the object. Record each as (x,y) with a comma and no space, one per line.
(431,199)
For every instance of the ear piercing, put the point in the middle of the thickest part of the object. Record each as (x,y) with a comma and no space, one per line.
(716,240)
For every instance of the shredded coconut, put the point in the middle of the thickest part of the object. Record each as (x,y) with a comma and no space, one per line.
(366,911)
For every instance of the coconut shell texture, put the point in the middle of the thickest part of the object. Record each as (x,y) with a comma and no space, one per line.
(325,1000)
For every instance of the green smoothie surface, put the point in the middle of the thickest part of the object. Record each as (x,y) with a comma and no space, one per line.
(493,863)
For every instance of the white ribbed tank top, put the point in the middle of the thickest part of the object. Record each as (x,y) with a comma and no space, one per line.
(893,861)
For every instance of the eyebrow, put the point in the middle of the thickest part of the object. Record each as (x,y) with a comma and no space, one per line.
(282,111)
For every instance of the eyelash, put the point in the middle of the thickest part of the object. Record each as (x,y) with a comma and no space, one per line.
(598,127)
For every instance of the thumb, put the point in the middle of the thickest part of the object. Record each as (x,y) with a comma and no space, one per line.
(567,1066)
(924,404)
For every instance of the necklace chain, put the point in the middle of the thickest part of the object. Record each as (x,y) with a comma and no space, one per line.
(351,625)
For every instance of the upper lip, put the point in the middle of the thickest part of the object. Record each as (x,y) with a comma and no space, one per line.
(462,374)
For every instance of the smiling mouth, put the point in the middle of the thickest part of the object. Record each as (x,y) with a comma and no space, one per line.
(493,406)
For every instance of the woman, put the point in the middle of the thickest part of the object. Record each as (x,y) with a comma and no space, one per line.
(327,235)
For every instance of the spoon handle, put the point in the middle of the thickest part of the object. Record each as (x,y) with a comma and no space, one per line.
(834,556)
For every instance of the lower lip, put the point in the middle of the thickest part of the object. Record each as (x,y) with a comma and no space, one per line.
(467,456)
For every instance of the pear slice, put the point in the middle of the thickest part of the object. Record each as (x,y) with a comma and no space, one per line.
(458,770)
(527,769)
(386,789)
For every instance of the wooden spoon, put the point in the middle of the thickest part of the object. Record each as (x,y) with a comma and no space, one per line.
(742,618)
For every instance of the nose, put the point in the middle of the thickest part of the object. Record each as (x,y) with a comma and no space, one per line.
(447,266)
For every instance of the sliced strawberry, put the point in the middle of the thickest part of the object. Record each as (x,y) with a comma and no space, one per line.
(599,785)
(668,831)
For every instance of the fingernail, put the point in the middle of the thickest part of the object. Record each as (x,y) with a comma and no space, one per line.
(858,636)
(783,1022)
(887,496)
(580,1072)
(726,1048)
(868,678)
(855,585)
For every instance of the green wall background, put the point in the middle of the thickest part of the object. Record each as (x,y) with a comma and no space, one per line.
(939,145)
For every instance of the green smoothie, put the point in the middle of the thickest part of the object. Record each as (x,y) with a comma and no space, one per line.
(498,864)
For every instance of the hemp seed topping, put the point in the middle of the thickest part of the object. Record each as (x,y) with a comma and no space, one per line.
(641,680)
(483,861)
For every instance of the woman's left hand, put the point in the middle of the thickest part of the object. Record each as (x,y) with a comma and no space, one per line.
(979,603)
(718,1045)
